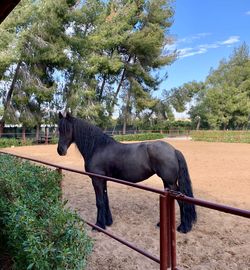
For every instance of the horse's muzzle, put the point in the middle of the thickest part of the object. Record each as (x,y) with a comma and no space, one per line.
(61,151)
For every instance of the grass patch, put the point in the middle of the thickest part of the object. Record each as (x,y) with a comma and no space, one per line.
(221,136)
(38,232)
(139,137)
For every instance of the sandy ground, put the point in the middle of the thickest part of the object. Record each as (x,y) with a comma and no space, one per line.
(219,172)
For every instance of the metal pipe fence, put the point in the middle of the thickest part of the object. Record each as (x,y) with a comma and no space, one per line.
(167,200)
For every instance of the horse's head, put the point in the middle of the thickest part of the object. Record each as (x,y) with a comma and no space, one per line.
(65,127)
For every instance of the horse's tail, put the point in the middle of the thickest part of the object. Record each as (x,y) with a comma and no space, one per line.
(187,210)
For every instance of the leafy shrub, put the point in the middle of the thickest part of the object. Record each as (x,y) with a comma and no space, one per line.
(221,136)
(139,137)
(54,140)
(163,125)
(39,232)
(4,142)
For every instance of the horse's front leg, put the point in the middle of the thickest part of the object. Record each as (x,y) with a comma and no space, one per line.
(99,187)
(108,215)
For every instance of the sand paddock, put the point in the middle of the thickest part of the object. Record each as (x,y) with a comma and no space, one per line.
(219,172)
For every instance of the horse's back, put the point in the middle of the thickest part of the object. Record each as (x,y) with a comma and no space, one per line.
(163,160)
(125,161)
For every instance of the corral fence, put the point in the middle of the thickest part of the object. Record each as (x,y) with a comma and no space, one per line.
(168,132)
(47,137)
(167,258)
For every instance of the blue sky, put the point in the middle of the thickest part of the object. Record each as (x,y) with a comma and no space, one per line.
(205,32)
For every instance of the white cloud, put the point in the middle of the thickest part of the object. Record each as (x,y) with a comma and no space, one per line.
(198,49)
(169,47)
(230,40)
(190,39)
(248,13)
(186,52)
(209,46)
(203,48)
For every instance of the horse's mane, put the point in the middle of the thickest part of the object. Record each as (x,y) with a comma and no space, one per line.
(89,138)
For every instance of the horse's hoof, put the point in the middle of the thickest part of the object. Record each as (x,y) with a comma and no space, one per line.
(183,229)
(109,222)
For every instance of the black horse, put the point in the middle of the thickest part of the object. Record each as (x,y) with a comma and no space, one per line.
(133,162)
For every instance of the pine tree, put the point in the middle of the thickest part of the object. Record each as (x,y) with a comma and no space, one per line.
(33,47)
(128,48)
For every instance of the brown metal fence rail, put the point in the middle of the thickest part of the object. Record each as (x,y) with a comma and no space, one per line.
(167,199)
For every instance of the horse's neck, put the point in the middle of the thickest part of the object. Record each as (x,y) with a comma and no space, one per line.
(82,138)
(88,138)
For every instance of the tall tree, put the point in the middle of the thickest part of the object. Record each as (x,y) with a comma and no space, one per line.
(35,38)
(83,55)
(134,34)
(223,100)
(228,91)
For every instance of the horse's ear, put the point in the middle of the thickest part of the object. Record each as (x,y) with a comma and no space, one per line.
(60,115)
(69,116)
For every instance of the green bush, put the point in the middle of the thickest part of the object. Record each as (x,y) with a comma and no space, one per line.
(39,232)
(4,142)
(54,140)
(139,137)
(221,136)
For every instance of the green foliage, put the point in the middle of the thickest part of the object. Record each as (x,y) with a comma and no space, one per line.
(83,55)
(221,136)
(8,142)
(54,140)
(33,34)
(180,96)
(39,232)
(165,125)
(4,142)
(127,47)
(225,101)
(139,137)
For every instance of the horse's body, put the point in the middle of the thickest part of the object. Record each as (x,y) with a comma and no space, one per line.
(133,162)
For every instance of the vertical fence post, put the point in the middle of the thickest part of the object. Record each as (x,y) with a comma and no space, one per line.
(164,233)
(172,232)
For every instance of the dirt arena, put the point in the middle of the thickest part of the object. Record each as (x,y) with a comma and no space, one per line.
(220,173)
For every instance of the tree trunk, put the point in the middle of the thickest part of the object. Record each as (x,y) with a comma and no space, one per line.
(1,127)
(10,92)
(119,85)
(125,119)
(23,134)
(37,132)
(198,124)
(117,90)
(9,96)
(102,87)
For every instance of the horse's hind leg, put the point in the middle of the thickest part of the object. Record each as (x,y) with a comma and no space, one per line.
(184,226)
(108,215)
